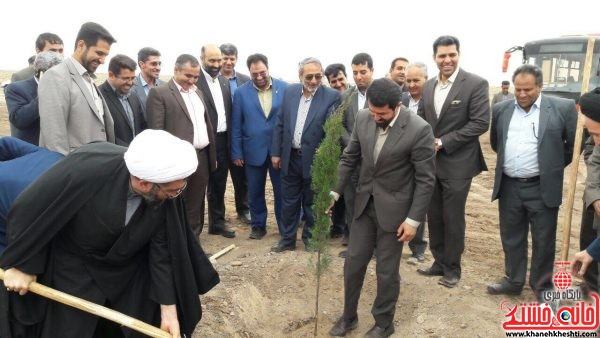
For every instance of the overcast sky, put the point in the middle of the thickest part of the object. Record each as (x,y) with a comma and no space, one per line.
(288,31)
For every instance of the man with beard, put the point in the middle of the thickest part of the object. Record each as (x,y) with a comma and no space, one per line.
(125,109)
(395,150)
(105,225)
(72,110)
(217,94)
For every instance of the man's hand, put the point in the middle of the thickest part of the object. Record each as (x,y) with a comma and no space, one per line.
(18,281)
(168,320)
(276,161)
(329,211)
(437,144)
(596,205)
(581,261)
(239,163)
(406,232)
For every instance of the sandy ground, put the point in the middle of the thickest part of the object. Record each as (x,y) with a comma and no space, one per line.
(263,294)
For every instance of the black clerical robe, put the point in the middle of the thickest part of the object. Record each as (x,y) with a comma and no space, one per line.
(69,228)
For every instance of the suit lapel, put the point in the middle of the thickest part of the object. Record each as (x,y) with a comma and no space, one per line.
(177,95)
(394,135)
(460,77)
(545,110)
(78,79)
(314,105)
(505,123)
(429,91)
(112,96)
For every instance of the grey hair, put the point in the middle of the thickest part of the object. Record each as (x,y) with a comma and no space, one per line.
(46,60)
(307,61)
(419,65)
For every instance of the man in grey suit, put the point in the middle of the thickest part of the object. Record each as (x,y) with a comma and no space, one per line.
(456,105)
(125,109)
(45,42)
(533,138)
(150,65)
(395,150)
(72,110)
(504,94)
(178,107)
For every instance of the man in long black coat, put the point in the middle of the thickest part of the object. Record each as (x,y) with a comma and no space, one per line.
(105,224)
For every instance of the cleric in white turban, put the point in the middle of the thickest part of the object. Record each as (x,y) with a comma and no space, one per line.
(159,157)
(106,224)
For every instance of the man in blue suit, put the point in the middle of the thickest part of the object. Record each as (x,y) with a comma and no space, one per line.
(20,164)
(256,105)
(297,134)
(22,100)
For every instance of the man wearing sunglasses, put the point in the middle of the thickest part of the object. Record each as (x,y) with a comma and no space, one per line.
(104,224)
(296,136)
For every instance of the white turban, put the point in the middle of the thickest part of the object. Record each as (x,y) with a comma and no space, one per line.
(157,156)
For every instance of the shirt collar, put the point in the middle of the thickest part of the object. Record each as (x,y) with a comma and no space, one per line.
(209,78)
(181,90)
(452,77)
(81,69)
(119,95)
(536,104)
(394,119)
(268,87)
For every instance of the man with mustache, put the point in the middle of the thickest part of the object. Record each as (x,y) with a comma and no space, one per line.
(72,110)
(105,224)
(125,109)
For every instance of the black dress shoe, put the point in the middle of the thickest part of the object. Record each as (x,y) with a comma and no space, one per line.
(449,282)
(244,216)
(223,231)
(503,288)
(342,326)
(281,247)
(379,332)
(257,233)
(430,272)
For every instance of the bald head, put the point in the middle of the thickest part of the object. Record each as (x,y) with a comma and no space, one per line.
(211,58)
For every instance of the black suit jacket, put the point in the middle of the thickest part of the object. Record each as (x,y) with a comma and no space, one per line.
(464,116)
(123,131)
(210,103)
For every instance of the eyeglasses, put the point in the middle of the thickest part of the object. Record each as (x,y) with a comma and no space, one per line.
(172,194)
(262,74)
(310,77)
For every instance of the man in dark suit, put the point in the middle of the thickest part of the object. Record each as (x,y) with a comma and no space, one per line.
(45,42)
(456,105)
(297,134)
(533,138)
(362,73)
(215,89)
(126,109)
(416,76)
(150,65)
(178,107)
(395,150)
(397,72)
(230,57)
(256,105)
(22,100)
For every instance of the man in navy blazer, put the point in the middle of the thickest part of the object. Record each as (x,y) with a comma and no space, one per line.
(22,100)
(533,138)
(297,134)
(256,105)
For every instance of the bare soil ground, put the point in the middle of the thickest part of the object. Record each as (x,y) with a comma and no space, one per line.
(263,294)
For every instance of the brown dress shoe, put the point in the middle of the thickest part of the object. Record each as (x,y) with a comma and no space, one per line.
(342,326)
(379,332)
